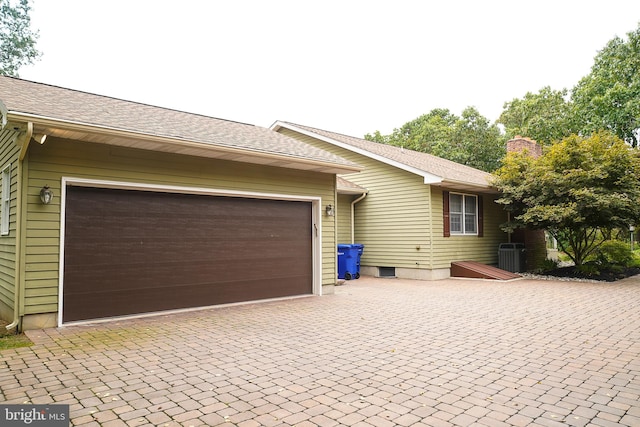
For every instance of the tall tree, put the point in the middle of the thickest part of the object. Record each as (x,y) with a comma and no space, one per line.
(576,189)
(470,139)
(17,40)
(422,133)
(473,141)
(545,116)
(609,96)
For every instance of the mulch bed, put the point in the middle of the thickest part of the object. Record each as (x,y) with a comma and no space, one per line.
(605,276)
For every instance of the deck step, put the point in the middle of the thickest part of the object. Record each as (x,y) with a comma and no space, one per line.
(476,270)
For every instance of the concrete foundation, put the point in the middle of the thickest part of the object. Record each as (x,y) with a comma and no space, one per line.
(409,273)
(328,289)
(39,321)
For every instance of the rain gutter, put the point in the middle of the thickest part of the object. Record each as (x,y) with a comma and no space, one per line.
(71,125)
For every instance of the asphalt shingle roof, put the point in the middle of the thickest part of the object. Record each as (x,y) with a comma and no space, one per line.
(348,186)
(443,168)
(67,105)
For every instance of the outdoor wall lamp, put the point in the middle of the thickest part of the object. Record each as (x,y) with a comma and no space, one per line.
(40,138)
(46,195)
(329,210)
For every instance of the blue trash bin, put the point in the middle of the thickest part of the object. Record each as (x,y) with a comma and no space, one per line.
(349,261)
(360,248)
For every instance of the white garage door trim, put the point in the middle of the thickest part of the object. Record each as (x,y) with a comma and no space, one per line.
(316,221)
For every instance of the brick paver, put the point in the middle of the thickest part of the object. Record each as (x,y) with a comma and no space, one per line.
(380,352)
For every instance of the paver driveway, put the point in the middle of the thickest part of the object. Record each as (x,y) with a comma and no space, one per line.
(380,352)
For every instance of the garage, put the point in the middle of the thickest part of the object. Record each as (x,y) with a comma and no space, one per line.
(128,251)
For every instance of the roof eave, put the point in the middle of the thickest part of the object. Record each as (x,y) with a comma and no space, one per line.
(428,177)
(466,186)
(351,191)
(132,139)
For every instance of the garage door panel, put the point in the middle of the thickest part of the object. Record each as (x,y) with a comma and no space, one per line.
(130,252)
(136,252)
(131,301)
(227,230)
(176,274)
(185,252)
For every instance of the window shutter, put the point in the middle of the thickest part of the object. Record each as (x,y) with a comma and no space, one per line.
(445,214)
(480,218)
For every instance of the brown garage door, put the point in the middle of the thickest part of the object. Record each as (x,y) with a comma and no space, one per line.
(129,252)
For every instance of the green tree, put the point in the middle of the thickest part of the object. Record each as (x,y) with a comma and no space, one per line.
(579,189)
(421,133)
(17,40)
(470,139)
(474,142)
(609,96)
(377,137)
(545,116)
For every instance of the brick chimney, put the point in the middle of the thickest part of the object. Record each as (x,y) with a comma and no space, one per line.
(534,240)
(520,143)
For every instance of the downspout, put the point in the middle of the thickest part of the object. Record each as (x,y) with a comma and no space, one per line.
(430,208)
(353,217)
(19,213)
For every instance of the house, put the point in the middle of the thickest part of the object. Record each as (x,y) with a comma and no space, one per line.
(113,208)
(415,213)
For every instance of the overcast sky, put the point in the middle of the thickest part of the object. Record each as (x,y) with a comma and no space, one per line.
(346,66)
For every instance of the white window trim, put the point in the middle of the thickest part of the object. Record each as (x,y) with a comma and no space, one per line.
(5,196)
(463,222)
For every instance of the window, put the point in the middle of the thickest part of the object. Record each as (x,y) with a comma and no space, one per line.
(462,214)
(6,200)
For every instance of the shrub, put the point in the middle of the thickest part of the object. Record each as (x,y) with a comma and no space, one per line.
(636,261)
(547,265)
(589,269)
(614,253)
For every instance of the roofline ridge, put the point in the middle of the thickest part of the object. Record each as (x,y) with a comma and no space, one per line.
(410,150)
(126,100)
(324,130)
(375,142)
(429,178)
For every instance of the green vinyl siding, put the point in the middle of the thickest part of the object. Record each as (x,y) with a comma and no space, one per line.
(343,215)
(470,247)
(400,220)
(9,155)
(49,163)
(393,220)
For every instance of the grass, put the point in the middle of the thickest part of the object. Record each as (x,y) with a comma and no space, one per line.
(9,339)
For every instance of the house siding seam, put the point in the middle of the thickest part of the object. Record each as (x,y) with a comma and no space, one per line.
(56,159)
